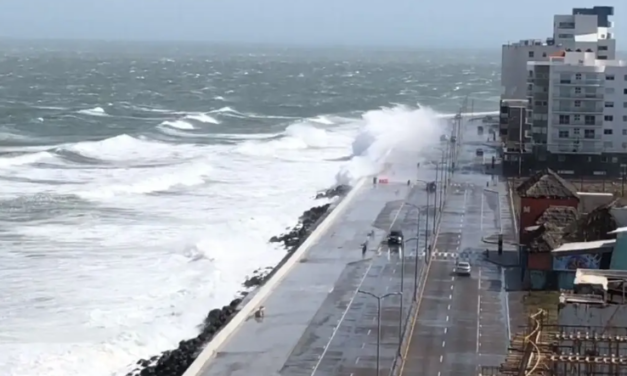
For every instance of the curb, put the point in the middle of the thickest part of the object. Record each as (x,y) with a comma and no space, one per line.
(416,309)
(205,356)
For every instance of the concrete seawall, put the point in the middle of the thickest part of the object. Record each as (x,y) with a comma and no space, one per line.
(264,291)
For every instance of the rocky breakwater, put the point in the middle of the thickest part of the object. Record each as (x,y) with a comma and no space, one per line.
(175,362)
(292,239)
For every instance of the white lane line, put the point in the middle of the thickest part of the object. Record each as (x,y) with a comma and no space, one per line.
(357,360)
(451,287)
(449,306)
(450,296)
(509,319)
(441,358)
(335,330)
(443,343)
(363,345)
(478,309)
(445,330)
(446,318)
(369,331)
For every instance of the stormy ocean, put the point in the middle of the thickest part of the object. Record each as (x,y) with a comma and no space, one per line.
(140,183)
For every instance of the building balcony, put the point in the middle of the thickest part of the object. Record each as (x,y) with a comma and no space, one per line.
(578,96)
(587,82)
(578,124)
(573,147)
(578,110)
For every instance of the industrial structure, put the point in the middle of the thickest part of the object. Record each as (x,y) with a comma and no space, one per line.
(588,336)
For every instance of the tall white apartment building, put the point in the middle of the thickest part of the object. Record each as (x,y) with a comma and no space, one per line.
(578,109)
(585,30)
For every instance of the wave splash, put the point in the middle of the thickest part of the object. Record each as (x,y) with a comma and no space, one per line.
(258,187)
(381,131)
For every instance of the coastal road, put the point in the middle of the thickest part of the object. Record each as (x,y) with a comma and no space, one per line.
(459,324)
(315,321)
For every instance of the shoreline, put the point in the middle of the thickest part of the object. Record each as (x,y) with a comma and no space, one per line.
(176,361)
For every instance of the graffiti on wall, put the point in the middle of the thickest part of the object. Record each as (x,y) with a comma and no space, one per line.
(573,262)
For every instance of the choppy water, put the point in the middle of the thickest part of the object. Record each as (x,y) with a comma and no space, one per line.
(140,183)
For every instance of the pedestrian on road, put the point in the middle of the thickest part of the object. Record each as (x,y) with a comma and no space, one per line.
(364,248)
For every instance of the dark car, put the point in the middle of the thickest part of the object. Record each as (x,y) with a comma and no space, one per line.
(395,238)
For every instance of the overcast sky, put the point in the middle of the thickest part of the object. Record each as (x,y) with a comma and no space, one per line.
(417,23)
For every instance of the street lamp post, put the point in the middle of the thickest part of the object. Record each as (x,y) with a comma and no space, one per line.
(416,264)
(379,299)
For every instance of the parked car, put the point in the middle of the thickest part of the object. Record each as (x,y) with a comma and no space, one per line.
(395,238)
(462,268)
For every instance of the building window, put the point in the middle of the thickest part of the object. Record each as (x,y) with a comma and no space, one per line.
(607,144)
(577,103)
(530,54)
(577,117)
(578,76)
(624,132)
(589,120)
(609,104)
(577,130)
(625,118)
(607,131)
(624,145)
(625,77)
(625,91)
(588,133)
(544,54)
(609,77)
(608,118)
(577,90)
(563,134)
(609,90)
(624,104)
(564,119)
(602,48)
(602,57)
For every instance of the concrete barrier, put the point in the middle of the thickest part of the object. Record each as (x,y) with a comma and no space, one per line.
(264,291)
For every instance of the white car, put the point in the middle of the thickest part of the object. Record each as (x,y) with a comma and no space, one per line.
(462,268)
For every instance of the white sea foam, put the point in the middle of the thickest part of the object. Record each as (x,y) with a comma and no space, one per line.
(96,111)
(115,287)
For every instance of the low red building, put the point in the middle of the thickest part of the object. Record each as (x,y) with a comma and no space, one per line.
(541,191)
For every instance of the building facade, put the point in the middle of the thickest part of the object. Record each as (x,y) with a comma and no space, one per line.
(577,110)
(585,29)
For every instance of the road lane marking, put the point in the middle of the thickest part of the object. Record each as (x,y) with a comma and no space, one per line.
(443,343)
(369,330)
(449,306)
(478,308)
(441,358)
(445,330)
(446,318)
(335,330)
(357,360)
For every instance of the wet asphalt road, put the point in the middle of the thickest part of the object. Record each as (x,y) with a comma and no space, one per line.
(462,321)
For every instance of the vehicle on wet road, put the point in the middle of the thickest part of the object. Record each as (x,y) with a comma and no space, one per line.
(462,268)
(395,238)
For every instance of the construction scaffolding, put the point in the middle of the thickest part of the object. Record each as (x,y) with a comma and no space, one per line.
(558,350)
